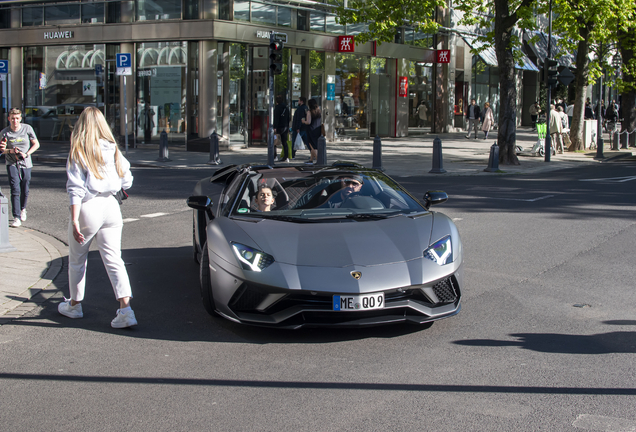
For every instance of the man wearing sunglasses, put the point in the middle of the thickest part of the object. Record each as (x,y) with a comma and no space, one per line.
(350,185)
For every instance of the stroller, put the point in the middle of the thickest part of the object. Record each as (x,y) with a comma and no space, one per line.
(539,148)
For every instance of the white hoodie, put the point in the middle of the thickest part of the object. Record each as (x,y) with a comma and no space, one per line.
(82,185)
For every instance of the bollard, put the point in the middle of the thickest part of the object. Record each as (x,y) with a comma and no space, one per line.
(163,147)
(5,246)
(377,153)
(438,163)
(322,151)
(214,149)
(623,138)
(614,140)
(271,150)
(493,160)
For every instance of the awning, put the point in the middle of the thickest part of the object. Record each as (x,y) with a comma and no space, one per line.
(540,48)
(489,56)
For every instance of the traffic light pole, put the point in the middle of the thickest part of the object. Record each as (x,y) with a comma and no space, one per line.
(548,138)
(599,121)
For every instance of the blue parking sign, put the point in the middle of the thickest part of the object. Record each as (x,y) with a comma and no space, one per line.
(4,66)
(124,60)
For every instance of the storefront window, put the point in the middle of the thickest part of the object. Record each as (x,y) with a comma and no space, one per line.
(486,85)
(153,10)
(420,97)
(237,59)
(59,82)
(161,91)
(33,16)
(352,83)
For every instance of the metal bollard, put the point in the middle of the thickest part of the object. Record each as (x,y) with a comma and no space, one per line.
(493,160)
(438,163)
(322,151)
(214,149)
(5,246)
(623,138)
(377,153)
(163,147)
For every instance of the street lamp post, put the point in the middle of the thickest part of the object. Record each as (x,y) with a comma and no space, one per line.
(616,64)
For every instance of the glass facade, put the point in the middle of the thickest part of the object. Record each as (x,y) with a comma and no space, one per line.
(352,85)
(59,82)
(420,97)
(486,85)
(161,91)
(153,10)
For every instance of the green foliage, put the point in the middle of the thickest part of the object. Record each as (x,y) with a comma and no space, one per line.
(384,17)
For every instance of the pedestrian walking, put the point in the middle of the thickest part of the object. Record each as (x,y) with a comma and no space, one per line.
(488,120)
(556,128)
(281,127)
(570,112)
(297,123)
(96,171)
(534,111)
(472,117)
(314,122)
(18,143)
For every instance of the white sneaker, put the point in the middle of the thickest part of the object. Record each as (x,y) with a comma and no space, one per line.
(16,223)
(124,319)
(66,309)
(23,215)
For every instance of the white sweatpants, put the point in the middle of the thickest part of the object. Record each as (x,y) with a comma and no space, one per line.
(100,219)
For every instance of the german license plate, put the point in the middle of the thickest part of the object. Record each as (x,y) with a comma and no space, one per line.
(358,302)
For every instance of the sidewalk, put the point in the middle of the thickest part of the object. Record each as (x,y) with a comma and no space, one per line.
(28,272)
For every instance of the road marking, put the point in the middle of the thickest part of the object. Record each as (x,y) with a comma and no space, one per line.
(526,200)
(130,220)
(153,215)
(613,179)
(603,423)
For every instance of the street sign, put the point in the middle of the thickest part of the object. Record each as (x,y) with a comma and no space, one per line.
(278,37)
(4,66)
(124,63)
(566,76)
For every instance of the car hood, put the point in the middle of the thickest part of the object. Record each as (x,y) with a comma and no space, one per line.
(342,243)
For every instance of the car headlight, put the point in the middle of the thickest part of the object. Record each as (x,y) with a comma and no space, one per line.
(250,258)
(441,251)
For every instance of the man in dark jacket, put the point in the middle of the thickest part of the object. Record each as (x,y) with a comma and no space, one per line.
(281,126)
(473,115)
(297,125)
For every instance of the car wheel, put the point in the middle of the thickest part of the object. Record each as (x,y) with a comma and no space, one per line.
(205,282)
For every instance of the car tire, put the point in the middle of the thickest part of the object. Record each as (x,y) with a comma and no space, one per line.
(205,282)
(195,252)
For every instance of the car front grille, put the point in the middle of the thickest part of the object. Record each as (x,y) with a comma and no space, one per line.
(445,290)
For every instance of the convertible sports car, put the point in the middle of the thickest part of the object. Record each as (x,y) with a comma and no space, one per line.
(338,245)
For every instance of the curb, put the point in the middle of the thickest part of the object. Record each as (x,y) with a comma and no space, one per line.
(43,289)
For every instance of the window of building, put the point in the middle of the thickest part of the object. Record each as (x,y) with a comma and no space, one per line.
(32,16)
(154,10)
(62,14)
(263,13)
(302,16)
(317,21)
(191,9)
(224,9)
(113,12)
(92,13)
(284,17)
(5,18)
(242,10)
(354,29)
(333,27)
(352,83)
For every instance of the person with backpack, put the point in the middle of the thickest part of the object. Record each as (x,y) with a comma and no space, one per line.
(281,127)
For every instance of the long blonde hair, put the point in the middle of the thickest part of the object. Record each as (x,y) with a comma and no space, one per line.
(85,149)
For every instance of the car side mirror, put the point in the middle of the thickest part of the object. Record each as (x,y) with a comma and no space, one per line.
(201,202)
(432,198)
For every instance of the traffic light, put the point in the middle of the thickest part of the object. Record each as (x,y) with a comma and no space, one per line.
(276,57)
(550,72)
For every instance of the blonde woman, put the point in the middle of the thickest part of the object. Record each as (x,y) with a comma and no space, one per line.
(96,171)
(489,120)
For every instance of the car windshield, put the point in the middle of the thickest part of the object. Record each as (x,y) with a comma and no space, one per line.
(296,194)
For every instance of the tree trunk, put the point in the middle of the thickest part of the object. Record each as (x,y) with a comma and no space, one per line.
(506,137)
(581,82)
(628,99)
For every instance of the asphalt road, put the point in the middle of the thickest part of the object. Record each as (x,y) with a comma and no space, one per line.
(545,341)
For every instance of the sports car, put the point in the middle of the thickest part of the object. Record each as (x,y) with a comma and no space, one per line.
(339,245)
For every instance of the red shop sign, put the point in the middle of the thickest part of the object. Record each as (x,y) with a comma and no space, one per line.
(443,56)
(404,87)
(346,44)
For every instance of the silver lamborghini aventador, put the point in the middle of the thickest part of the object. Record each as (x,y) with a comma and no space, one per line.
(338,245)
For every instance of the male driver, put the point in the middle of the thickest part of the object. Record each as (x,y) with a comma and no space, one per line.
(18,142)
(473,115)
(349,185)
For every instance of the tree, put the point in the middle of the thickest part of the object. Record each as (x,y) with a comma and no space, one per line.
(588,26)
(627,85)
